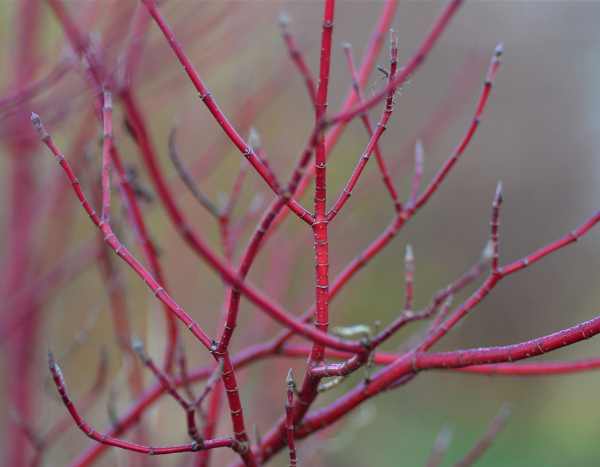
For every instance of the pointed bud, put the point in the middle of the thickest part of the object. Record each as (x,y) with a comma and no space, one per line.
(488,251)
(290,379)
(254,140)
(284,20)
(55,369)
(409,256)
(138,347)
(39,126)
(346,46)
(51,360)
(505,411)
(107,99)
(443,439)
(499,50)
(498,198)
(393,39)
(419,153)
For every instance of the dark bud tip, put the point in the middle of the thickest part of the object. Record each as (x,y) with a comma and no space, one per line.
(290,379)
(51,360)
(498,198)
(499,50)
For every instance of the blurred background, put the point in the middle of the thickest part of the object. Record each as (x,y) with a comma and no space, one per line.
(539,136)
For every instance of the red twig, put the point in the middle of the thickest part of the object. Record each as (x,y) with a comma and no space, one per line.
(196,243)
(300,419)
(383,169)
(494,227)
(90,432)
(165,381)
(298,58)
(375,136)
(63,424)
(289,418)
(416,60)
(114,243)
(462,146)
(320,230)
(412,362)
(206,97)
(199,245)
(370,56)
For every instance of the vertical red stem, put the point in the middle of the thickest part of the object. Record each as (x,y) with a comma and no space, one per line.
(320,230)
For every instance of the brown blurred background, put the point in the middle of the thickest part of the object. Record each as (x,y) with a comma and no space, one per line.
(539,135)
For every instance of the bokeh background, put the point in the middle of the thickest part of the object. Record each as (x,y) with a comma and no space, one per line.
(540,136)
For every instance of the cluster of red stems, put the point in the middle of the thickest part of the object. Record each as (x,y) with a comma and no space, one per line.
(332,354)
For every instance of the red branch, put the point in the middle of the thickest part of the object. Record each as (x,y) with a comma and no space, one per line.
(327,354)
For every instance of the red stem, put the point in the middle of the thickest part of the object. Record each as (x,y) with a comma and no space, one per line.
(289,419)
(206,97)
(201,247)
(108,440)
(114,243)
(298,58)
(412,362)
(416,60)
(373,141)
(381,164)
(368,62)
(462,146)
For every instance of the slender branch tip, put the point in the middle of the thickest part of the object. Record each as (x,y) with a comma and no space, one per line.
(488,251)
(290,379)
(419,152)
(498,197)
(51,360)
(444,438)
(254,140)
(409,256)
(393,39)
(107,99)
(284,20)
(39,126)
(499,50)
(138,347)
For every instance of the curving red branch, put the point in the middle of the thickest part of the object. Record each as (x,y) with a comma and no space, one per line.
(326,352)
